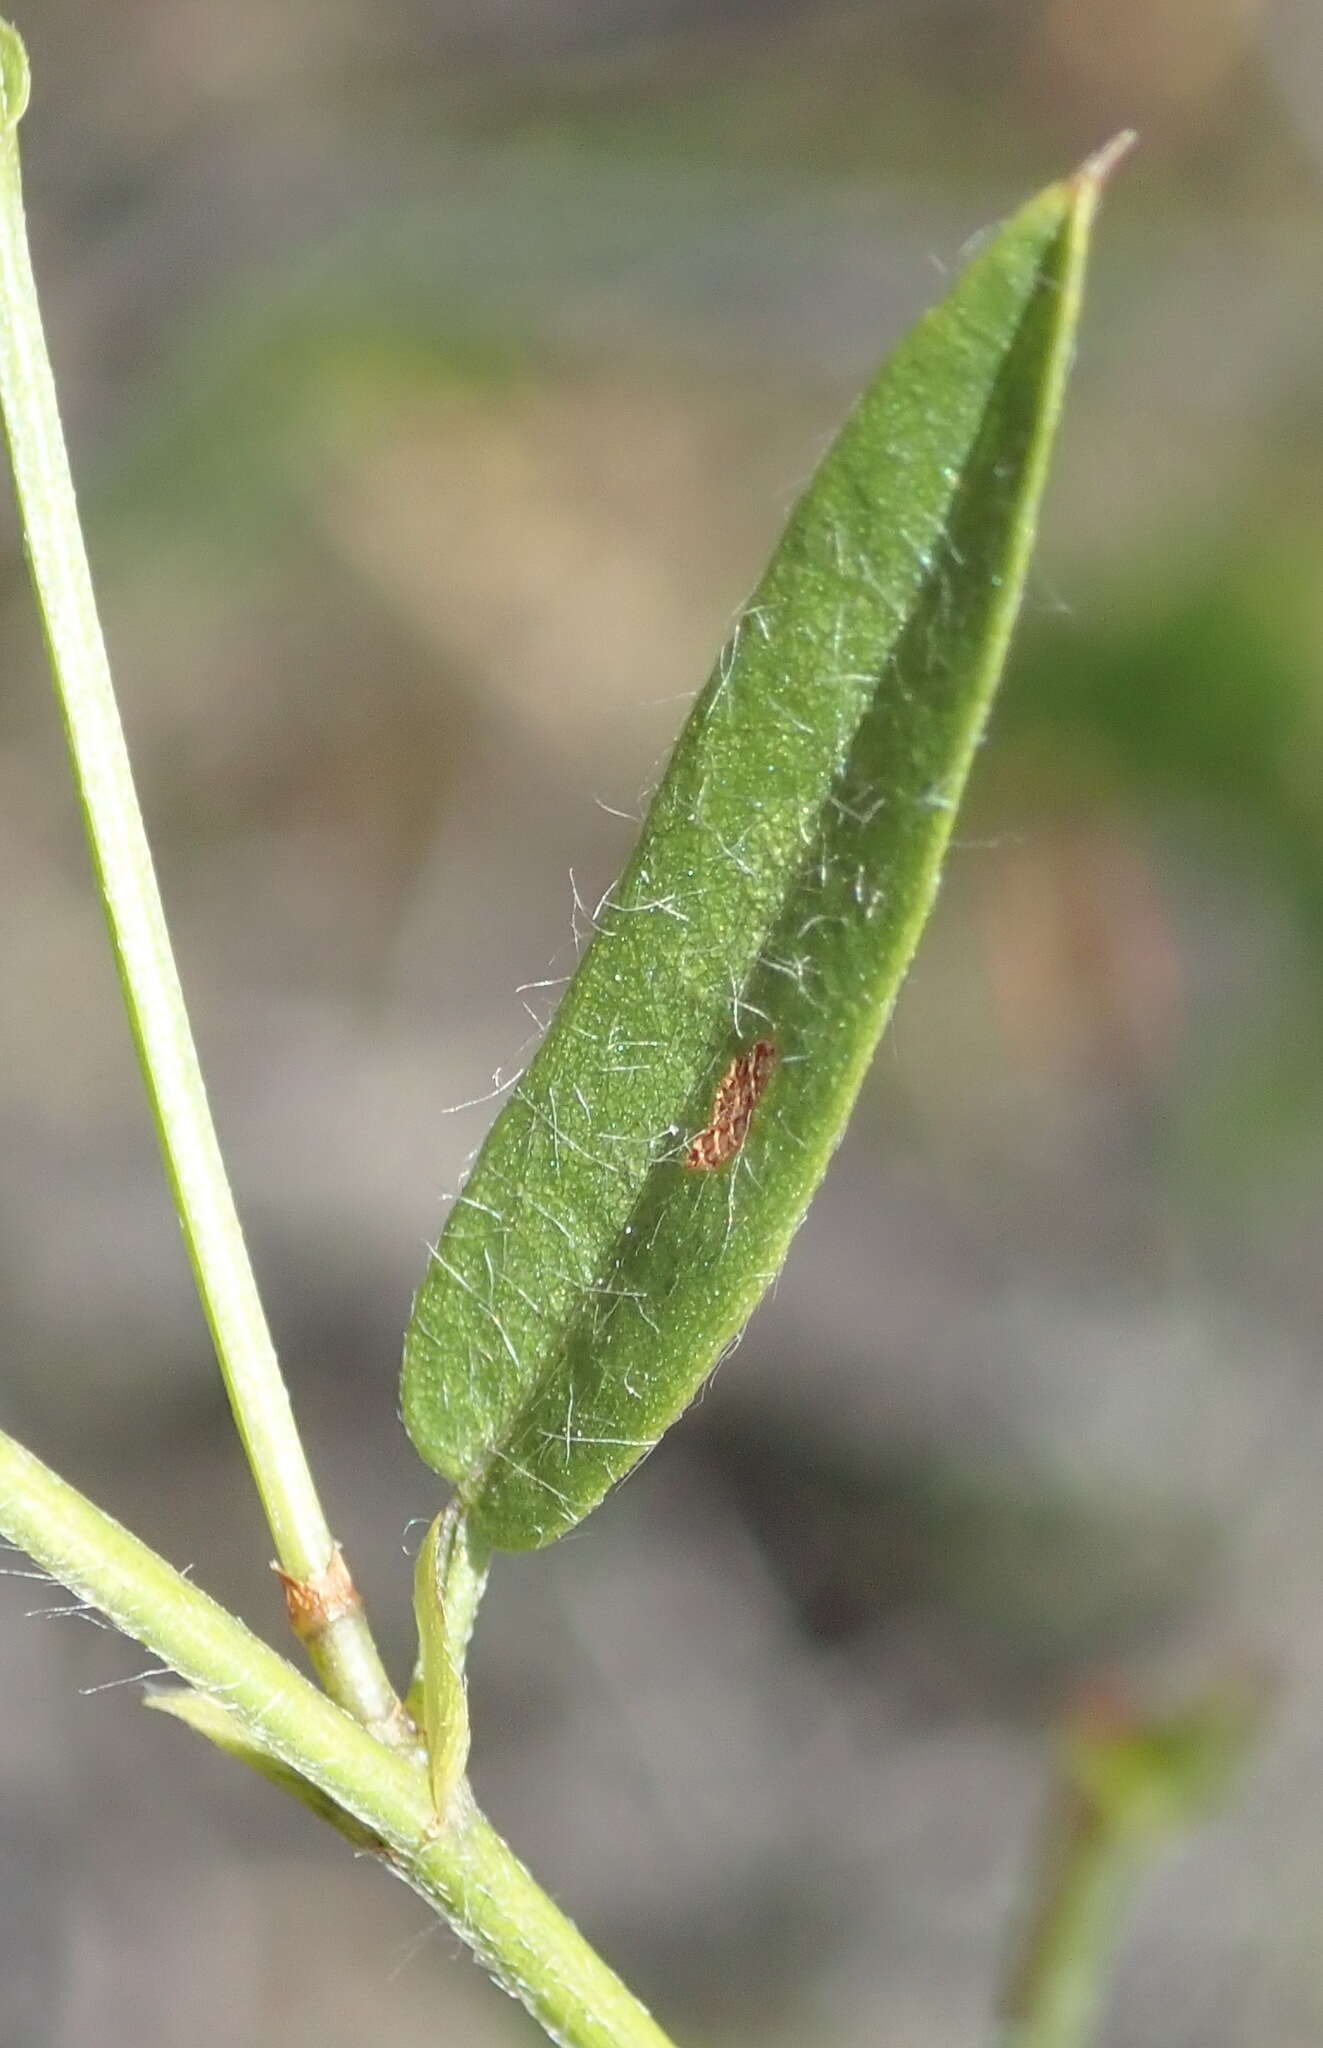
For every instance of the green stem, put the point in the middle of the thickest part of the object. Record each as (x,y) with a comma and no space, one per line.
(1057,1992)
(1126,1786)
(464,1870)
(342,1649)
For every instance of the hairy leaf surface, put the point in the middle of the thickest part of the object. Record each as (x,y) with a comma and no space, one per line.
(639,1190)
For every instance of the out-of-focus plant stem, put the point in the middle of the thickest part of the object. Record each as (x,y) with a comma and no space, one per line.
(1127,1787)
(1055,1999)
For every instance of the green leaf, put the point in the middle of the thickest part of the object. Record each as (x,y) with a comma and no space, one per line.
(591,1272)
(209,1717)
(448,1581)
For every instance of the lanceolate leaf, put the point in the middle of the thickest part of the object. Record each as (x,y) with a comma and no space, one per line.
(638,1192)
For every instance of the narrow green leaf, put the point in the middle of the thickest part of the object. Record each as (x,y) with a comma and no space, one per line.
(448,1582)
(631,1205)
(208,1717)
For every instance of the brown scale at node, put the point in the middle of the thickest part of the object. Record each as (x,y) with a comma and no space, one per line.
(739,1092)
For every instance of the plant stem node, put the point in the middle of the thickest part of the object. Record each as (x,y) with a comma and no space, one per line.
(315,1605)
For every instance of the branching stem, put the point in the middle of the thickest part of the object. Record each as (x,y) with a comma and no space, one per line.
(463,1869)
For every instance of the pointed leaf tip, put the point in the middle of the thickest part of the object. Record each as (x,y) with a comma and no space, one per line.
(1098,168)
(638,1193)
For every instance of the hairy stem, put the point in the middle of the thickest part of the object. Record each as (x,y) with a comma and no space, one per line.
(463,1869)
(336,1633)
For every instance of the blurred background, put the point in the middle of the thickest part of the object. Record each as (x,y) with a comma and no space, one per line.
(438,375)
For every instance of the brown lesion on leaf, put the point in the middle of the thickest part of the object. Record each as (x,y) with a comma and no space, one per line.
(739,1092)
(315,1605)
